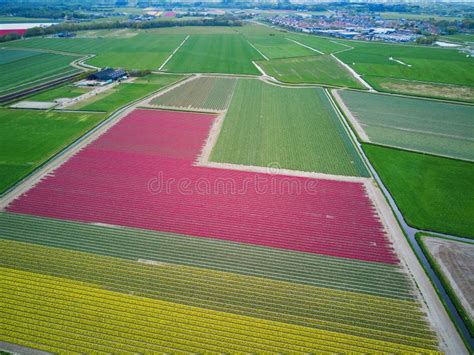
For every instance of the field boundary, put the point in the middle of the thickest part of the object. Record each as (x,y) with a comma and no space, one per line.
(357,76)
(355,123)
(258,50)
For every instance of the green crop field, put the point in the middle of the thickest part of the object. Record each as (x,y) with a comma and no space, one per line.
(66,91)
(321,69)
(433,193)
(20,70)
(124,93)
(294,128)
(28,138)
(221,53)
(203,93)
(437,65)
(143,51)
(414,124)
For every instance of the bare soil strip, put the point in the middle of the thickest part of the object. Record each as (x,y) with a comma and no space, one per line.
(455,260)
(172,54)
(354,74)
(304,45)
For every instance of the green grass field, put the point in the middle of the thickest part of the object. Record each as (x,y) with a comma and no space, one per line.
(433,193)
(28,138)
(273,43)
(322,44)
(436,65)
(414,124)
(204,93)
(124,93)
(66,91)
(321,69)
(222,53)
(143,51)
(292,128)
(20,70)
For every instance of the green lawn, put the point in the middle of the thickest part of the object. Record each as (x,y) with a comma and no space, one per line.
(20,70)
(28,138)
(414,124)
(222,53)
(291,128)
(427,64)
(143,51)
(433,193)
(321,69)
(126,92)
(66,91)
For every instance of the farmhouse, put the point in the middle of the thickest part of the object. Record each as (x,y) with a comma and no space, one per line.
(108,74)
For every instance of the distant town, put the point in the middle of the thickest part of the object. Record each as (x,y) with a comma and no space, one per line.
(369,26)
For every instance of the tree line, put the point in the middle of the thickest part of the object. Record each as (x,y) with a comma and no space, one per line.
(73,27)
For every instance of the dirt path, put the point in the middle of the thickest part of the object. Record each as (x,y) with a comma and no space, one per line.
(354,73)
(172,54)
(304,45)
(87,95)
(355,123)
(263,55)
